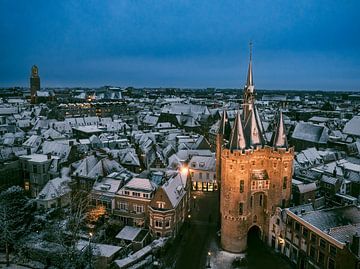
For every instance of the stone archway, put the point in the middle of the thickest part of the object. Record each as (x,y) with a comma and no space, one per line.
(254,236)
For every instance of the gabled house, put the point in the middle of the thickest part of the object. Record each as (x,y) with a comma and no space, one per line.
(169,208)
(56,193)
(132,201)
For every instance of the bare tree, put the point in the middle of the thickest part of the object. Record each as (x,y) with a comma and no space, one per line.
(68,234)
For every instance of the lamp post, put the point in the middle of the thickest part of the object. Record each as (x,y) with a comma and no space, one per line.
(90,250)
(208,264)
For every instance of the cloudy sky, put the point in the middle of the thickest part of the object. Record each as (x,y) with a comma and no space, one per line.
(297,44)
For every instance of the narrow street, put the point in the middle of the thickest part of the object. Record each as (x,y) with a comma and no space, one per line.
(203,225)
(190,250)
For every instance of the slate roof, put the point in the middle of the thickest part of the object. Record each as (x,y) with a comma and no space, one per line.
(33,141)
(128,233)
(311,133)
(328,219)
(304,188)
(54,188)
(108,185)
(84,166)
(57,149)
(206,163)
(352,127)
(137,183)
(329,180)
(174,189)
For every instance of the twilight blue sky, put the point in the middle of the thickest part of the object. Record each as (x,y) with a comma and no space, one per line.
(297,44)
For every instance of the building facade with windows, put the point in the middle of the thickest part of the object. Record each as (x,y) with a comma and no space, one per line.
(328,238)
(132,200)
(170,206)
(37,170)
(202,172)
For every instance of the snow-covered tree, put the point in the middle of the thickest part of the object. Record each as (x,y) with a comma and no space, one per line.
(67,234)
(14,217)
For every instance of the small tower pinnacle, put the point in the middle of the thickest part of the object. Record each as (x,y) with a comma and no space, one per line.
(279,139)
(237,139)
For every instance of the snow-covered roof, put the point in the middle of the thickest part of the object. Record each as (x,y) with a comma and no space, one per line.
(310,132)
(352,127)
(39,158)
(206,163)
(102,250)
(140,184)
(54,188)
(128,233)
(174,189)
(108,185)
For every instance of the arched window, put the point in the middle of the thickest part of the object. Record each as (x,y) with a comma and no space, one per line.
(261,200)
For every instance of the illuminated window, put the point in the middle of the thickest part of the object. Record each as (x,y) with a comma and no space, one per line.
(160,204)
(27,185)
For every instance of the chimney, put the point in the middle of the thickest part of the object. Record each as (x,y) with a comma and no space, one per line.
(49,156)
(71,143)
(334,172)
(355,244)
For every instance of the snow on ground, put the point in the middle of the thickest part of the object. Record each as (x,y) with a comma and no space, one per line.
(221,259)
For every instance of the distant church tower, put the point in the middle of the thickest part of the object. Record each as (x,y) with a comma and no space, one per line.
(255,173)
(34,83)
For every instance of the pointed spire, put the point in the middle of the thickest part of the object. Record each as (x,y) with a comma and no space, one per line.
(237,138)
(249,89)
(262,131)
(253,130)
(224,128)
(279,139)
(249,80)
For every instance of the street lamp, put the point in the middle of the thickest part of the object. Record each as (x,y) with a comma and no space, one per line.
(90,250)
(209,255)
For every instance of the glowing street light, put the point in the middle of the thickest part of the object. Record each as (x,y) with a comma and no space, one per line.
(184,170)
(209,255)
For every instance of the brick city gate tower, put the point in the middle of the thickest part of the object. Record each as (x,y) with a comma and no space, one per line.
(255,173)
